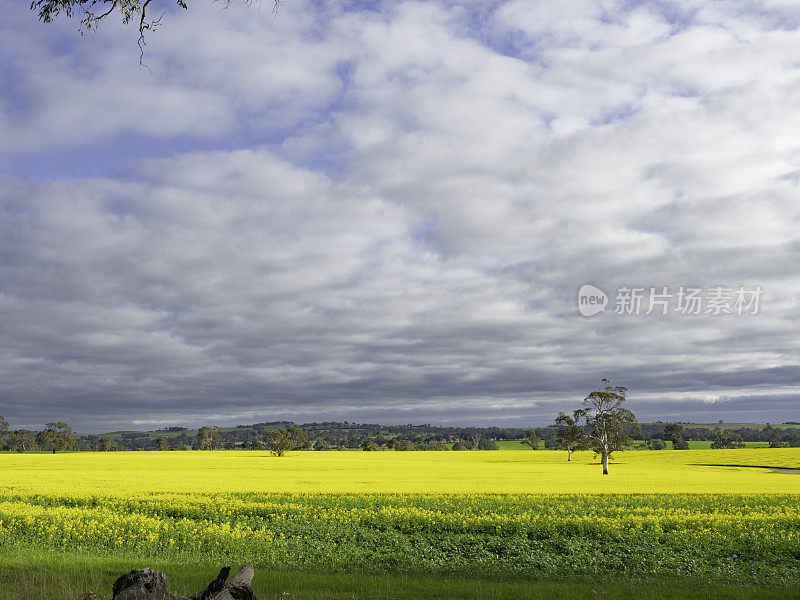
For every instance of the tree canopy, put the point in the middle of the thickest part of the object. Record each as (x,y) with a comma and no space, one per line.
(280,440)
(673,432)
(570,436)
(531,439)
(3,431)
(208,438)
(56,436)
(21,440)
(727,439)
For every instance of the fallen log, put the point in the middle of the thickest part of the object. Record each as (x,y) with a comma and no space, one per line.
(147,584)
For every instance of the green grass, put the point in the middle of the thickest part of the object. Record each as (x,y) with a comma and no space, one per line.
(516,445)
(693,445)
(508,445)
(27,575)
(758,426)
(706,444)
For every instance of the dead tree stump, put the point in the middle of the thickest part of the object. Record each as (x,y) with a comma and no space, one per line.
(147,584)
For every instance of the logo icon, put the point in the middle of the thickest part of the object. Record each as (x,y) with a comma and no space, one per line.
(591,300)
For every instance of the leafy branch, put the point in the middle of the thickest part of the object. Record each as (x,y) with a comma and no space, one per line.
(91,12)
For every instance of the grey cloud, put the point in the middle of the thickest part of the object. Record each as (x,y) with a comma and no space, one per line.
(427,268)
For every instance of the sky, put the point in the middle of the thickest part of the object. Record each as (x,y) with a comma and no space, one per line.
(385,212)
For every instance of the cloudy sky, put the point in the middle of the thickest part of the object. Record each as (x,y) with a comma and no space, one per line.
(384,212)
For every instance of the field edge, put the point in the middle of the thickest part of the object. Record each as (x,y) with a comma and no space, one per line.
(36,574)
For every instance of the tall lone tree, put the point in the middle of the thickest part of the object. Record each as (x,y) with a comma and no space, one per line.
(570,436)
(608,423)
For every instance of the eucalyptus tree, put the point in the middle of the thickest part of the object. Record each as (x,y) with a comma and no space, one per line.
(673,432)
(279,441)
(531,439)
(608,423)
(570,436)
(21,440)
(56,436)
(3,430)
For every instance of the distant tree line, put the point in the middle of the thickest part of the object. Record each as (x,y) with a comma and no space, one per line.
(778,435)
(567,433)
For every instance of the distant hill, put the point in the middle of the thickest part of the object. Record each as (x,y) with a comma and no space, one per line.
(726,425)
(500,433)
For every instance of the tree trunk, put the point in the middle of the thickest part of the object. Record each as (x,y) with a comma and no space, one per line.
(569,455)
(605,463)
(147,584)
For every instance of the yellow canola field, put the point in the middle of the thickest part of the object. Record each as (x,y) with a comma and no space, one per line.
(745,471)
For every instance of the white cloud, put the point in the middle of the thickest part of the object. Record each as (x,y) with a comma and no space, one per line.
(421,196)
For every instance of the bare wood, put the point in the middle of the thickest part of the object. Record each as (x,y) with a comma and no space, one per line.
(239,587)
(147,584)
